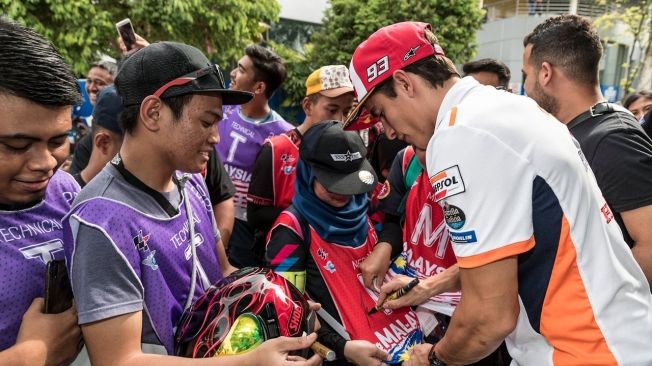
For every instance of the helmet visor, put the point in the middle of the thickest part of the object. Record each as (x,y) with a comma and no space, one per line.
(246,334)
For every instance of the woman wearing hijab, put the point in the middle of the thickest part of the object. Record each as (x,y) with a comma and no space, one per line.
(319,242)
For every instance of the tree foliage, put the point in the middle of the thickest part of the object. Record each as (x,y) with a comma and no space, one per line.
(637,18)
(81,29)
(349,22)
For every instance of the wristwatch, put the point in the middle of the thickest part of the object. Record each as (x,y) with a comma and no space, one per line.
(432,358)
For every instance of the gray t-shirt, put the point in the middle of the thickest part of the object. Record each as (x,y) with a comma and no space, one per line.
(103,283)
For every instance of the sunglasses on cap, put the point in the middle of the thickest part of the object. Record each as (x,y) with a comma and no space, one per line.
(202,79)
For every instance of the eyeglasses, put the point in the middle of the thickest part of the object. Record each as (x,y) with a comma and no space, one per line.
(213,70)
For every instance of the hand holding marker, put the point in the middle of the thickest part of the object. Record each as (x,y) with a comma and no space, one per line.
(395,295)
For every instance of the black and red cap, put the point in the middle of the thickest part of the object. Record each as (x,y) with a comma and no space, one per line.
(168,69)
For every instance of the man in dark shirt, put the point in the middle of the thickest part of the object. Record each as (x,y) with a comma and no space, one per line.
(106,134)
(560,64)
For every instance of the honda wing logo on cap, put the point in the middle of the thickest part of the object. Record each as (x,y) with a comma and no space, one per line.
(447,182)
(347,157)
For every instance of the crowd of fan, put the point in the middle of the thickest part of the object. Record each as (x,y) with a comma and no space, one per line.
(349,205)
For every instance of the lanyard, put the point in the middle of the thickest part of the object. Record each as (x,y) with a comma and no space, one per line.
(171,211)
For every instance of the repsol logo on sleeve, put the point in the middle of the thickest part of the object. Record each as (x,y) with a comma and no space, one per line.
(447,182)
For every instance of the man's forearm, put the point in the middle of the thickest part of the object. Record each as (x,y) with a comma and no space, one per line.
(642,252)
(467,340)
(225,218)
(20,355)
(487,313)
(447,281)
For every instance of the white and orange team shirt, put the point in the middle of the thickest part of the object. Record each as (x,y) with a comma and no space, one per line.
(521,187)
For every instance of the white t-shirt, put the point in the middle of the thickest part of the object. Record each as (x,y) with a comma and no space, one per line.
(526,190)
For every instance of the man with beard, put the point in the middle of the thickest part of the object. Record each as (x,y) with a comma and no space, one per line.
(560,65)
(541,261)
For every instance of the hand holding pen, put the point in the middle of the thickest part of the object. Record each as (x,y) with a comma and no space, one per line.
(394,295)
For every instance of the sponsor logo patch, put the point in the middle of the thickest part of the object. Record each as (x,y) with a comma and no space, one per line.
(606,212)
(454,216)
(288,169)
(464,237)
(295,320)
(346,157)
(140,241)
(150,261)
(287,158)
(447,183)
(411,53)
(384,190)
(330,267)
(366,177)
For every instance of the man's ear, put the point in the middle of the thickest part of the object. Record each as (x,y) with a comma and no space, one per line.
(403,83)
(545,74)
(306,104)
(151,110)
(260,88)
(102,141)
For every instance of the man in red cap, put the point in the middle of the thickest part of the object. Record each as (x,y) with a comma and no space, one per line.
(542,262)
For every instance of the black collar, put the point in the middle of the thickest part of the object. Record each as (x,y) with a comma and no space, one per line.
(134,181)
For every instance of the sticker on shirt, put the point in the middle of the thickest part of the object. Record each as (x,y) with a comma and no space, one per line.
(322,253)
(150,261)
(384,191)
(606,212)
(454,216)
(140,241)
(447,183)
(464,237)
(287,158)
(288,169)
(330,267)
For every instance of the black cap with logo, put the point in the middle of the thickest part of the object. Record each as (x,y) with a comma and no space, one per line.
(107,109)
(337,158)
(171,69)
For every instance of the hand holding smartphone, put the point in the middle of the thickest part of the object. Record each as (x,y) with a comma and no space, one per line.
(58,292)
(127,34)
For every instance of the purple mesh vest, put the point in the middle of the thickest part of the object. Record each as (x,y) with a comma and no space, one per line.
(28,240)
(157,249)
(240,142)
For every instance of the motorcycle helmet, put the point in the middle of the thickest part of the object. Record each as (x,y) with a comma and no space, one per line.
(242,311)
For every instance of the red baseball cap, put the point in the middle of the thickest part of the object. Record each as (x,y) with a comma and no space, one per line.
(389,49)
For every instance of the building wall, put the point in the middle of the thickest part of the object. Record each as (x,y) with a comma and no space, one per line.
(309,11)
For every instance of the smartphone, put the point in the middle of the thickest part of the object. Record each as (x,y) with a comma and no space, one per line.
(58,292)
(126,31)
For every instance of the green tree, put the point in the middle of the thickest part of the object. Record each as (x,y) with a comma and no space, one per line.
(81,29)
(637,18)
(349,22)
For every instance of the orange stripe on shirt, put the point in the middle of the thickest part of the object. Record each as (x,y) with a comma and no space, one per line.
(567,318)
(451,120)
(508,250)
(437,177)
